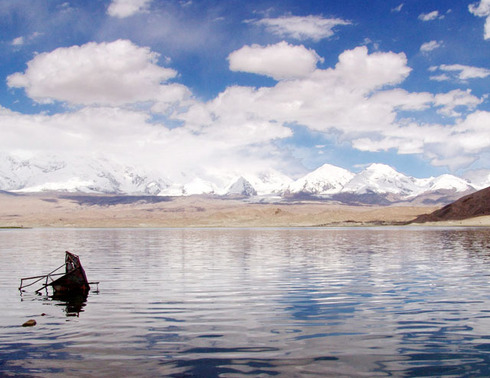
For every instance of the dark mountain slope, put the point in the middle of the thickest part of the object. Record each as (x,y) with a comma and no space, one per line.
(473,205)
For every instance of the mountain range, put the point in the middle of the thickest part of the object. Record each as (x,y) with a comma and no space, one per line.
(376,184)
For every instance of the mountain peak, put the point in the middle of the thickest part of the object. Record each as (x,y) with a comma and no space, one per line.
(382,169)
(450,182)
(327,179)
(381,178)
(242,187)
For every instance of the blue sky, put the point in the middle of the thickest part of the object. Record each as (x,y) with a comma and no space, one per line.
(243,86)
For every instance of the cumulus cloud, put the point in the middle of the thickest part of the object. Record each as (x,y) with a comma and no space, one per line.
(429,46)
(113,73)
(354,102)
(430,16)
(472,132)
(84,129)
(454,146)
(338,98)
(127,8)
(279,61)
(371,71)
(113,132)
(459,72)
(465,142)
(301,28)
(482,9)
(449,102)
(357,101)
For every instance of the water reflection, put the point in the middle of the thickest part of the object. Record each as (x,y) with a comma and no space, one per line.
(379,302)
(72,305)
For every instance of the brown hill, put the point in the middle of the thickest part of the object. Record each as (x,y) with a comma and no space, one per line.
(473,205)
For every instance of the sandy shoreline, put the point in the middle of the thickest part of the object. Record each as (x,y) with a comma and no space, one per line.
(483,221)
(65,210)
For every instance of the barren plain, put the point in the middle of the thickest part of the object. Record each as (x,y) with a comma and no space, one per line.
(75,210)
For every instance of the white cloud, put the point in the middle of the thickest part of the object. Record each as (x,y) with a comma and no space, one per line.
(131,138)
(371,71)
(357,101)
(353,102)
(398,8)
(478,177)
(19,41)
(460,72)
(279,61)
(429,46)
(80,131)
(448,102)
(430,16)
(301,28)
(400,99)
(127,8)
(336,98)
(454,146)
(442,77)
(482,9)
(467,140)
(113,73)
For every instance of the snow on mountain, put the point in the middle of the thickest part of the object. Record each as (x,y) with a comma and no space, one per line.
(199,186)
(241,187)
(268,182)
(328,179)
(265,182)
(77,175)
(449,182)
(378,183)
(382,179)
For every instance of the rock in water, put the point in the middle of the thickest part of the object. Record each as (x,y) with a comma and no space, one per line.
(29,323)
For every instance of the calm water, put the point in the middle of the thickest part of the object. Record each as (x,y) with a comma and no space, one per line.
(235,302)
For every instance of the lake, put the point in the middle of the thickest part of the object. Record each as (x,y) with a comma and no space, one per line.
(237,302)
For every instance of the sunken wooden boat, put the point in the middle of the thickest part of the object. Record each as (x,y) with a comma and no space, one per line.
(72,282)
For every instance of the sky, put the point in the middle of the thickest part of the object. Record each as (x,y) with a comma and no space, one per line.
(245,86)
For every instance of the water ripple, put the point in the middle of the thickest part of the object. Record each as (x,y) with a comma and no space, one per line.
(293,302)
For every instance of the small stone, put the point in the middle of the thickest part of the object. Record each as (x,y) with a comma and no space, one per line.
(29,323)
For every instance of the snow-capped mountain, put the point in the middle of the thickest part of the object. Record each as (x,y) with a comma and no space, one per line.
(382,179)
(199,186)
(328,179)
(241,187)
(269,182)
(449,182)
(78,175)
(377,184)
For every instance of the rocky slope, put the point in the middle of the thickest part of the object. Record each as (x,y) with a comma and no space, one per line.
(473,205)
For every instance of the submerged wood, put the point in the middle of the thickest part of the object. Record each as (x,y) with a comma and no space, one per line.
(72,281)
